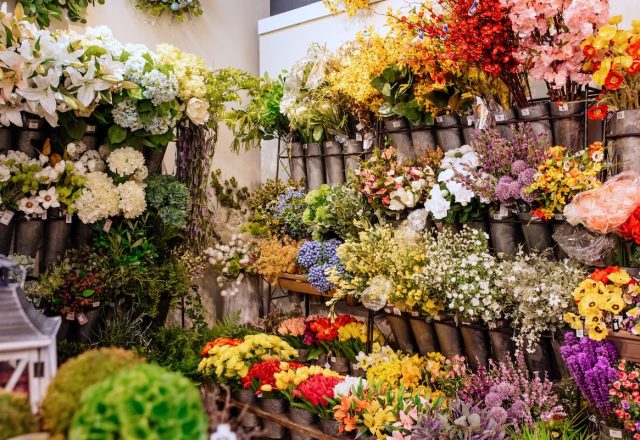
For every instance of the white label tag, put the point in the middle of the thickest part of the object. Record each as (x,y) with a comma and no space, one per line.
(580,333)
(525,112)
(396,311)
(71,316)
(107,225)
(470,121)
(82,319)
(558,216)
(359,137)
(68,218)
(96,304)
(563,108)
(91,128)
(359,127)
(6,216)
(333,359)
(439,119)
(500,117)
(366,144)
(45,214)
(415,314)
(620,115)
(615,433)
(396,124)
(33,125)
(504,211)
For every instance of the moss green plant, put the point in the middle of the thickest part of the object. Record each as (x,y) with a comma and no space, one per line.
(15,416)
(143,402)
(73,378)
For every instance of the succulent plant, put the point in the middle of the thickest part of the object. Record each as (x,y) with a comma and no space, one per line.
(143,402)
(73,378)
(15,416)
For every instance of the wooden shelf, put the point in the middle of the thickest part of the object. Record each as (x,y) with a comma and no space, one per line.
(299,284)
(284,421)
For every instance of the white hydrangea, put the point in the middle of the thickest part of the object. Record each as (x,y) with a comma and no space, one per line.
(132,199)
(126,162)
(99,198)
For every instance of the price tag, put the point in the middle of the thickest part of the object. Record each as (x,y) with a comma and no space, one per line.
(525,112)
(439,119)
(304,146)
(82,319)
(396,124)
(107,225)
(593,419)
(617,322)
(580,333)
(45,214)
(396,311)
(91,128)
(96,304)
(359,137)
(559,217)
(333,359)
(620,115)
(500,117)
(68,218)
(366,144)
(415,314)
(359,127)
(563,107)
(71,316)
(470,121)
(615,433)
(34,125)
(6,216)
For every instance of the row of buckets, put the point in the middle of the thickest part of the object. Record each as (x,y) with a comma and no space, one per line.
(476,343)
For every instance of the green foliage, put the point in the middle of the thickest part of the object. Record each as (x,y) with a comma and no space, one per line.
(15,416)
(225,86)
(45,10)
(229,193)
(142,402)
(395,84)
(157,8)
(562,430)
(167,202)
(73,378)
(123,328)
(261,222)
(70,349)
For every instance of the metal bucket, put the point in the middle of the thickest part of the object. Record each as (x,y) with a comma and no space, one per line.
(448,134)
(423,139)
(57,236)
(476,346)
(334,163)
(400,137)
(28,236)
(556,343)
(538,234)
(568,131)
(353,152)
(302,416)
(425,336)
(81,233)
(89,330)
(330,427)
(5,140)
(315,165)
(540,127)
(356,371)
(91,138)
(296,162)
(273,406)
(30,137)
(468,128)
(449,339)
(401,333)
(153,159)
(6,232)
(623,130)
(540,360)
(505,120)
(502,345)
(506,234)
(248,420)
(339,364)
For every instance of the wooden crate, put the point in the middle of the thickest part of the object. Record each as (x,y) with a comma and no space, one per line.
(298,284)
(627,344)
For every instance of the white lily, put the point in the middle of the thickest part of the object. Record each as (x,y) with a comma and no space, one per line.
(86,85)
(42,99)
(401,199)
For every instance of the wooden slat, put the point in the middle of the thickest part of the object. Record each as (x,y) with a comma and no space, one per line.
(285,421)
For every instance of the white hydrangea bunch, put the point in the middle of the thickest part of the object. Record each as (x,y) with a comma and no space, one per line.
(99,198)
(89,162)
(127,162)
(132,199)
(232,259)
(347,386)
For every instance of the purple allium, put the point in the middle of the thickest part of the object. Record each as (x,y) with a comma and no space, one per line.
(518,166)
(505,180)
(503,194)
(498,414)
(515,189)
(518,410)
(526,197)
(527,177)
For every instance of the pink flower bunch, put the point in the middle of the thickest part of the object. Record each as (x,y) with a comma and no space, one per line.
(550,33)
(292,327)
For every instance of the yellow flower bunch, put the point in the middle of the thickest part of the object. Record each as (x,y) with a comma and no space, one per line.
(276,257)
(612,58)
(358,331)
(400,370)
(190,69)
(228,364)
(602,296)
(377,416)
(351,7)
(563,175)
(290,378)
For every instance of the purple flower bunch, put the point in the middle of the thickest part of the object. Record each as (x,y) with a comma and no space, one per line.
(592,365)
(286,212)
(508,167)
(508,393)
(318,257)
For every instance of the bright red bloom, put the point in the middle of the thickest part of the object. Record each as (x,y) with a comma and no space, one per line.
(598,112)
(635,67)
(630,229)
(613,81)
(261,375)
(318,389)
(589,51)
(218,342)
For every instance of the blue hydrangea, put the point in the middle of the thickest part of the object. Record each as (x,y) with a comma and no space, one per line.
(317,277)
(309,254)
(159,87)
(318,257)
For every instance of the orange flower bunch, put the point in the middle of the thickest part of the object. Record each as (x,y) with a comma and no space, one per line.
(231,342)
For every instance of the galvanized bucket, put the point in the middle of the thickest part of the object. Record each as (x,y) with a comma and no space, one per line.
(449,339)
(423,139)
(538,118)
(538,234)
(505,120)
(425,336)
(448,135)
(401,333)
(468,128)
(333,163)
(57,236)
(400,138)
(624,131)
(296,162)
(568,131)
(476,345)
(315,165)
(353,153)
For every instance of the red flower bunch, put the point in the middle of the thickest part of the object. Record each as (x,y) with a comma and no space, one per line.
(481,33)
(219,342)
(630,230)
(261,375)
(317,390)
(603,274)
(625,394)
(326,329)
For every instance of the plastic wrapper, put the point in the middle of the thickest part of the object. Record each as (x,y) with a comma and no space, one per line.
(583,245)
(318,58)
(375,296)
(603,209)
(418,219)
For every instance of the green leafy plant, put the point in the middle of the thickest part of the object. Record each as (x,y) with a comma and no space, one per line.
(15,416)
(560,430)
(45,10)
(177,9)
(395,84)
(229,193)
(73,378)
(145,401)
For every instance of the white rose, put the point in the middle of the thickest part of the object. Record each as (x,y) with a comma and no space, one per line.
(198,111)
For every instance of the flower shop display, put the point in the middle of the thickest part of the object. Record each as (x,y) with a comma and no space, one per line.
(180,10)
